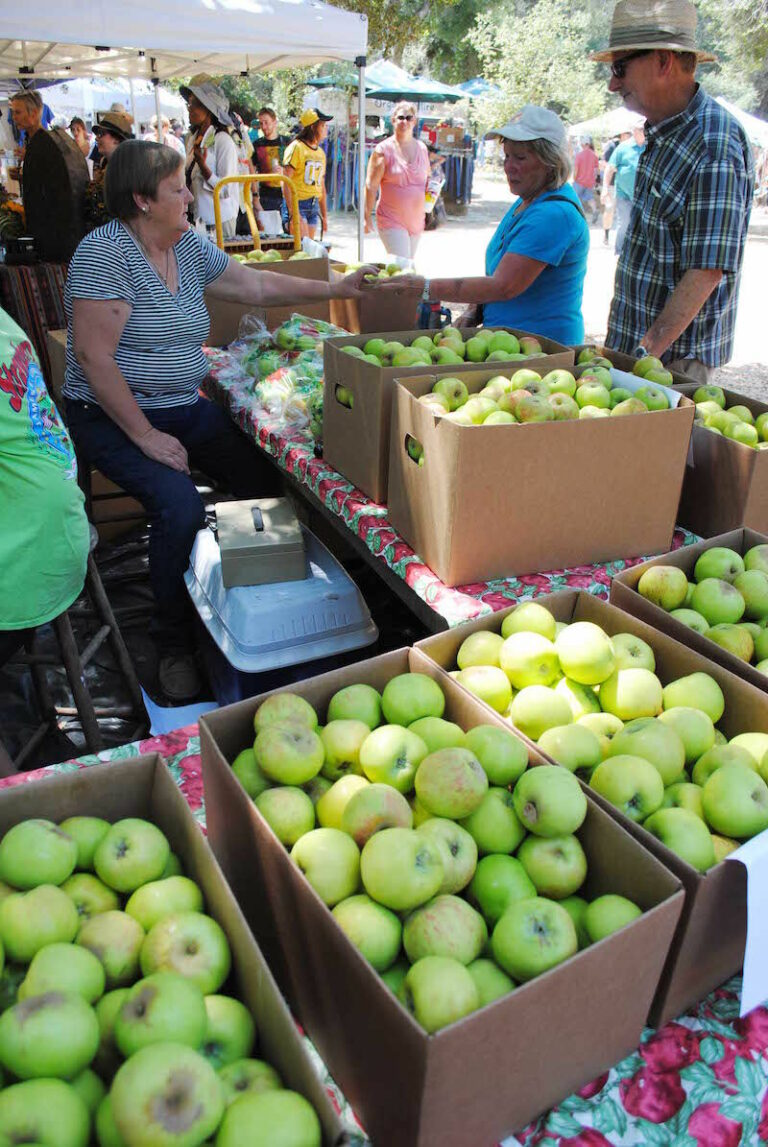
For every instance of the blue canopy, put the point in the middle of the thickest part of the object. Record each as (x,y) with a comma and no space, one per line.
(386,81)
(479,88)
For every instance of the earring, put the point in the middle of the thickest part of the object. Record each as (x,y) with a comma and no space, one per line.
(144,210)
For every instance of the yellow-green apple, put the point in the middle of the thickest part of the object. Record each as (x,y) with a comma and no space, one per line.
(735,800)
(508,402)
(631,693)
(631,405)
(685,834)
(270,1119)
(529,659)
(437,733)
(504,340)
(245,768)
(54,1035)
(166,1093)
(718,756)
(354,351)
(692,619)
(192,944)
(458,851)
(607,914)
(107,1059)
(411,356)
(330,807)
(596,412)
(356,703)
(289,754)
(481,648)
(489,683)
(372,928)
(538,387)
(587,354)
(585,653)
(684,795)
(718,601)
(371,808)
(401,868)
(160,1008)
(581,698)
(330,860)
(556,865)
(620,394)
(573,746)
(724,846)
(159,898)
(710,394)
(549,801)
(576,906)
(316,788)
(530,345)
(494,389)
(87,832)
(653,397)
(604,725)
(534,408)
(460,417)
(529,617)
(741,431)
(288,811)
(445,926)
(451,783)
(342,740)
(230,1032)
(560,382)
(420,814)
(696,691)
(90,1088)
(657,743)
(533,936)
(64,968)
(643,366)
(438,403)
(248,1077)
(564,408)
(285,709)
(410,696)
(694,728)
(756,558)
(733,638)
(754,743)
(389,350)
(453,390)
(593,393)
(498,882)
(718,562)
(394,978)
(494,825)
(391,755)
(374,346)
(753,587)
(423,342)
(503,756)
(439,991)
(491,982)
(447,355)
(131,853)
(478,408)
(31,920)
(44,1111)
(665,586)
(35,852)
(761,645)
(632,784)
(537,708)
(89,894)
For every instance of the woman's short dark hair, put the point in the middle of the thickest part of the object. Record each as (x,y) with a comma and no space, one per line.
(137,167)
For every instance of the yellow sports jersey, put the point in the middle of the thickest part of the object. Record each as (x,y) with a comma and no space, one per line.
(308,165)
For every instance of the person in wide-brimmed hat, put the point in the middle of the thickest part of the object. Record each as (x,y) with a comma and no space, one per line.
(112,129)
(678,274)
(211,154)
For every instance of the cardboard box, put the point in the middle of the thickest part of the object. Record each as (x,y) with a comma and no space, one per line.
(709,945)
(142,787)
(625,361)
(726,482)
(374,313)
(356,440)
(449,136)
(475,1081)
(624,595)
(492,501)
(225,316)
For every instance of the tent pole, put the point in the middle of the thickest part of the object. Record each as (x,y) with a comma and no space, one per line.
(360,65)
(156,85)
(133,105)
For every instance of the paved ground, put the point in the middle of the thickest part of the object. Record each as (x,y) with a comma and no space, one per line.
(458,247)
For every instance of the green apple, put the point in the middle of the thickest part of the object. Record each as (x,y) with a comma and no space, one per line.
(648,363)
(342,740)
(761,645)
(458,851)
(586,354)
(529,659)
(31,920)
(439,991)
(684,795)
(356,703)
(733,638)
(653,397)
(619,395)
(718,756)
(192,944)
(410,696)
(436,733)
(90,1089)
(409,356)
(447,356)
(53,1035)
(655,742)
(556,865)
(576,906)
(230,1032)
(596,412)
(754,743)
(494,825)
(64,968)
(89,895)
(354,351)
(161,1008)
(756,558)
(248,1077)
(710,394)
(581,698)
(593,393)
(529,617)
(665,586)
(631,405)
(536,709)
(607,914)
(289,754)
(330,807)
(478,408)
(116,939)
(549,801)
(724,846)
(694,728)
(36,852)
(753,587)
(696,691)
(253,780)
(735,800)
(371,808)
(741,431)
(131,853)
(480,648)
(167,1093)
(498,882)
(573,746)
(595,374)
(504,341)
(564,408)
(453,390)
(692,619)
(445,926)
(288,811)
(451,783)
(375,346)
(330,860)
(285,709)
(631,784)
(159,898)
(87,833)
(560,382)
(535,408)
(604,725)
(533,936)
(107,1059)
(503,756)
(717,601)
(490,981)
(685,834)
(585,653)
(401,868)
(632,652)
(489,683)
(270,1119)
(372,928)
(631,693)
(44,1112)
(391,755)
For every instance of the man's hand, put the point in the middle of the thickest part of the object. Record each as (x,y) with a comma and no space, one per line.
(399,284)
(164,448)
(354,285)
(467,319)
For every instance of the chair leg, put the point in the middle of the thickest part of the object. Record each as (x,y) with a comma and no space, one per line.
(71,658)
(122,657)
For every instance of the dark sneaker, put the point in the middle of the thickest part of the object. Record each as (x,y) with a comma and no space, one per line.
(179,677)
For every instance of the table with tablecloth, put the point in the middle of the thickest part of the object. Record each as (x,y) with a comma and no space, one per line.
(701,1081)
(33,295)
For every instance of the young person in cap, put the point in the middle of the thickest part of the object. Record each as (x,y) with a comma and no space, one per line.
(536,261)
(398,169)
(268,152)
(211,155)
(677,279)
(304,164)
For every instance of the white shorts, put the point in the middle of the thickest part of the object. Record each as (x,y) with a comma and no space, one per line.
(398,241)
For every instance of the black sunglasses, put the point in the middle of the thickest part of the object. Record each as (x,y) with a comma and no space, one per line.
(404,118)
(619,67)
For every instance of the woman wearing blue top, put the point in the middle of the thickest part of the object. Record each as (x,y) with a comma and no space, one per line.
(537,259)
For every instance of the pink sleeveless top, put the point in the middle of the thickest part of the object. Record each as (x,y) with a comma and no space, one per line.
(403,188)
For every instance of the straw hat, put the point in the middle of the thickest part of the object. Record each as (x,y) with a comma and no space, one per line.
(117,124)
(210,96)
(640,24)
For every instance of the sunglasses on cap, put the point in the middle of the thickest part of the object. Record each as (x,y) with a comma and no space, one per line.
(619,67)
(404,118)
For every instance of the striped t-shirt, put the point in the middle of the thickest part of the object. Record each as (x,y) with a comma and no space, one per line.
(160,350)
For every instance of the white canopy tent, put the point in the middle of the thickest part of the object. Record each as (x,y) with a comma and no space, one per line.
(158,39)
(756,128)
(610,123)
(87,96)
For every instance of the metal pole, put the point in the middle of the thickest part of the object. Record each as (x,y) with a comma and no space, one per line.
(360,65)
(133,106)
(156,84)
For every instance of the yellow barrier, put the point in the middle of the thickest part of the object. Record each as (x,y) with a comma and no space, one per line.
(246,181)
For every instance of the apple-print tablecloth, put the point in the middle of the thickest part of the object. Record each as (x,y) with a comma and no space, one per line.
(294,452)
(699,1082)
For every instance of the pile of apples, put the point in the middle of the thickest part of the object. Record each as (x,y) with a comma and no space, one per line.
(727,601)
(651,368)
(451,866)
(448,348)
(594,704)
(736,422)
(114,1028)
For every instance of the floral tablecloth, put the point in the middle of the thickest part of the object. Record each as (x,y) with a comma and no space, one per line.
(699,1082)
(294,452)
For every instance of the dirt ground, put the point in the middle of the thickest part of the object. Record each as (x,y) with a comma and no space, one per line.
(458,247)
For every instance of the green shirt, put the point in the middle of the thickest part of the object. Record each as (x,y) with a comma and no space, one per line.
(44,533)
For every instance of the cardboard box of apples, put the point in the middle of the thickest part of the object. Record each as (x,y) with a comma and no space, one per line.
(381,312)
(673,742)
(712,596)
(135,1000)
(521,494)
(649,367)
(373,857)
(360,373)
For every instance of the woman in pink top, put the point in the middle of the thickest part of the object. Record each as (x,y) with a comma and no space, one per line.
(399,169)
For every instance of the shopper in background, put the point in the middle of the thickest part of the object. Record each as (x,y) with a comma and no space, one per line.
(585,168)
(304,164)
(166,135)
(398,171)
(112,129)
(211,155)
(268,151)
(81,135)
(621,172)
(27,114)
(608,194)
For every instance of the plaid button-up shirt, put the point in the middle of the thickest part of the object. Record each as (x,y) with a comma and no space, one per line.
(693,196)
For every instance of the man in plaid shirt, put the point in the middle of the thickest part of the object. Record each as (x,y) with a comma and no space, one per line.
(677,279)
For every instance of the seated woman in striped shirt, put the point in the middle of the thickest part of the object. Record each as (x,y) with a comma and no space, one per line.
(137,321)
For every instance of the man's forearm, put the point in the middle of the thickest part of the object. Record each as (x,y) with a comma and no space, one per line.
(680,309)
